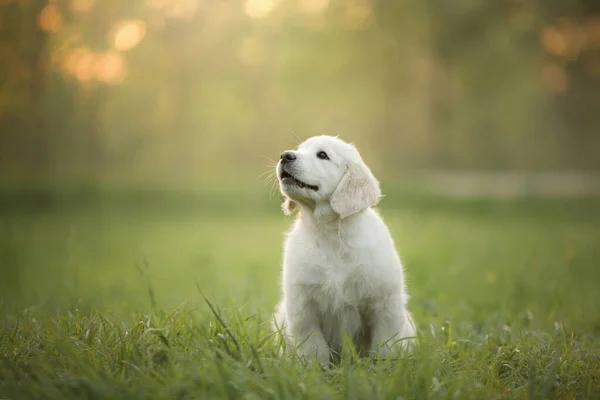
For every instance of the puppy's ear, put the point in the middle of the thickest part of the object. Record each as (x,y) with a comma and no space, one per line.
(357,191)
(288,206)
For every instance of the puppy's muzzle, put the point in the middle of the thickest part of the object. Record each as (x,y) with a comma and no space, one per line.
(287,178)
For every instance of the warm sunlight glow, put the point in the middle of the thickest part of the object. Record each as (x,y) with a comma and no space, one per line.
(251,51)
(567,39)
(259,8)
(314,6)
(111,68)
(50,19)
(86,67)
(555,78)
(72,60)
(553,41)
(358,16)
(185,9)
(129,34)
(82,5)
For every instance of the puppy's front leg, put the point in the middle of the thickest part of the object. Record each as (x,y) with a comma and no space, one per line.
(390,322)
(306,331)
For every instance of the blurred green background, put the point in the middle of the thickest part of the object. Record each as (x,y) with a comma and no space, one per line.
(192,91)
(133,130)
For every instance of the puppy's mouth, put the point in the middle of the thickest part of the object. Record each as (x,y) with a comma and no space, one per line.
(287,178)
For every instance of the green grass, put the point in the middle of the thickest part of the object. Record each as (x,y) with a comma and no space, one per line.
(104,301)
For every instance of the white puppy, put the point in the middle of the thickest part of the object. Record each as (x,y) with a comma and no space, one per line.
(342,276)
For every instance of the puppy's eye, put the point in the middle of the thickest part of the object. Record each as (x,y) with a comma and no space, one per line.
(322,155)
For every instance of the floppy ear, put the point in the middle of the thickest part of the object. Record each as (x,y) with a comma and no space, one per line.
(288,206)
(357,191)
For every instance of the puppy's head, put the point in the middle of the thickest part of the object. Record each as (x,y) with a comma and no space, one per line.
(325,169)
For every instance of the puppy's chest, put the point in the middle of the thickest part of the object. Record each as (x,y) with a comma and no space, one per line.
(339,281)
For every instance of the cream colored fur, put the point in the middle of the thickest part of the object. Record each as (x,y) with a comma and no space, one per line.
(342,275)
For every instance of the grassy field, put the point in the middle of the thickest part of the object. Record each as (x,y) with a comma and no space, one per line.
(105,300)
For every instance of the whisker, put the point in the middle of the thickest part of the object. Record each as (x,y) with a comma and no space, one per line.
(266,179)
(273,182)
(270,175)
(270,170)
(294,137)
(270,181)
(273,190)
(270,159)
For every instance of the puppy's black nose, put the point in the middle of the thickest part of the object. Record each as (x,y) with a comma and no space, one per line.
(287,156)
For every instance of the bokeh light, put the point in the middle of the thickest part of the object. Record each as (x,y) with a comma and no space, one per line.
(111,68)
(554,41)
(352,67)
(85,68)
(73,59)
(50,19)
(128,34)
(259,8)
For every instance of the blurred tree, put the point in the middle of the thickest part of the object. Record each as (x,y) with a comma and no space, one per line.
(169,89)
(22,73)
(505,92)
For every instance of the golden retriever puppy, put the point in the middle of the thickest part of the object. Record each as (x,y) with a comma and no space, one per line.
(342,276)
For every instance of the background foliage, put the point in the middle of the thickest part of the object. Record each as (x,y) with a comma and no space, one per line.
(166,90)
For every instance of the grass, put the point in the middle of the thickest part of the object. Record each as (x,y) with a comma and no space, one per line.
(106,301)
